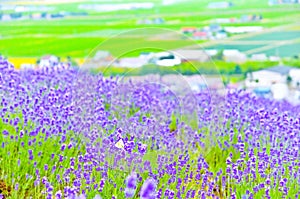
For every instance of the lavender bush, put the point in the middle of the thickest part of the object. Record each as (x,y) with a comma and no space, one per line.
(71,134)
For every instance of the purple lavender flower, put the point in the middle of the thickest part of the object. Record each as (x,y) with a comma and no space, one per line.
(148,190)
(97,197)
(63,146)
(142,148)
(58,195)
(5,132)
(131,183)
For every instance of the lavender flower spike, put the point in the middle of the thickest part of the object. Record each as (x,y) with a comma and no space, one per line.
(148,190)
(97,197)
(131,182)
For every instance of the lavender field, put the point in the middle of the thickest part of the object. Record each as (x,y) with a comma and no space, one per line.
(66,133)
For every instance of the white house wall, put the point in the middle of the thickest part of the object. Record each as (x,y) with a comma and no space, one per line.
(265,79)
(295,75)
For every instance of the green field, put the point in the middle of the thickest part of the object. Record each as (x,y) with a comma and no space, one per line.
(283,43)
(279,35)
(285,50)
(78,36)
(241,48)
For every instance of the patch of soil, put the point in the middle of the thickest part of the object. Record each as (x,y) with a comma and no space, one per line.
(5,190)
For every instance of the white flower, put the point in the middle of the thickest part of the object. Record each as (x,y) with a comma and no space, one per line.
(120,144)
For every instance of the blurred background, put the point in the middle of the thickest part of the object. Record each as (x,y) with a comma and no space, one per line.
(252,44)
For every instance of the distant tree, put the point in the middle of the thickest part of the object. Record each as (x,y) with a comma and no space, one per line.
(226,80)
(289,79)
(238,69)
(219,55)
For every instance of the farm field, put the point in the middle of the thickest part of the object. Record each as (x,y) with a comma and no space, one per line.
(281,43)
(275,36)
(284,50)
(240,47)
(77,36)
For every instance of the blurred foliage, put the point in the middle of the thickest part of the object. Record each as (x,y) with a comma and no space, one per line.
(191,68)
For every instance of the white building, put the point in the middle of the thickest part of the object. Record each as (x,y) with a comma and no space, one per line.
(211,52)
(131,62)
(48,61)
(268,77)
(259,57)
(274,58)
(221,35)
(234,55)
(242,29)
(280,91)
(219,5)
(166,59)
(295,77)
(192,55)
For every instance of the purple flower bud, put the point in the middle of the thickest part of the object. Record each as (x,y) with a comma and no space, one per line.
(61,158)
(63,146)
(268,181)
(33,133)
(5,133)
(21,134)
(44,180)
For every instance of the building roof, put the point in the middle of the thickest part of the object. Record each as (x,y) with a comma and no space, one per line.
(283,70)
(200,34)
(191,54)
(295,72)
(188,29)
(262,90)
(132,62)
(242,29)
(227,52)
(221,4)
